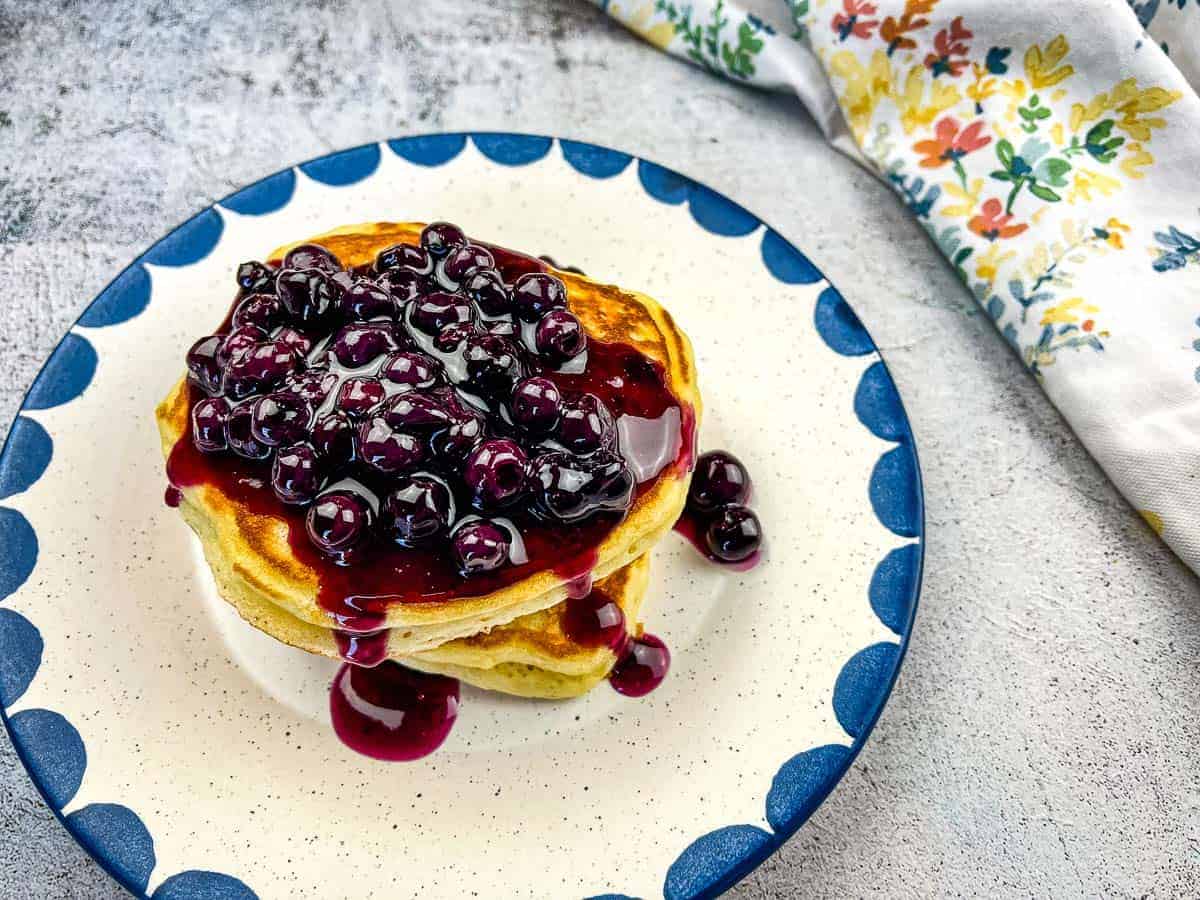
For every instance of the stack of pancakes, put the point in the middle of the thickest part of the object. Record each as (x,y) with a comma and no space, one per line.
(512,640)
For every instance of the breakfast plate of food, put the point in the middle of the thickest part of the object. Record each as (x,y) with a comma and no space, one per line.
(464,515)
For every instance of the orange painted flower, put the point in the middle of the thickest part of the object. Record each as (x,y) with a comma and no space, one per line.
(949,43)
(852,20)
(949,144)
(992,222)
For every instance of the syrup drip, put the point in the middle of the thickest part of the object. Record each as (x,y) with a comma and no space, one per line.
(642,667)
(173,496)
(362,648)
(390,712)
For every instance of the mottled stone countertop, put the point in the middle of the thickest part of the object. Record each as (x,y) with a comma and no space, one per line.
(1044,737)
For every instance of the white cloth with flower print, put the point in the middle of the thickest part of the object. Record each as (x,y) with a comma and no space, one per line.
(1052,152)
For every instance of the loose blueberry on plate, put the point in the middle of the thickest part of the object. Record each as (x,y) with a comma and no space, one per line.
(718,479)
(734,534)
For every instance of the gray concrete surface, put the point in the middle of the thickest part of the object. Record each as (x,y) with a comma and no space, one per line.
(1043,739)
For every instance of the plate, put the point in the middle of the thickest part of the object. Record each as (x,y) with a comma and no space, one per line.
(192,756)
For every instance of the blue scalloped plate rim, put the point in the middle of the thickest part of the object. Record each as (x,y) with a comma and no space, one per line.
(714,862)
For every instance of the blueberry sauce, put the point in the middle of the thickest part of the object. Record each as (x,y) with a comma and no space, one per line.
(362,648)
(595,620)
(642,667)
(390,712)
(381,443)
(716,519)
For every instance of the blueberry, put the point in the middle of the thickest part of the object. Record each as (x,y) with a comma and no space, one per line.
(261,368)
(204,363)
(298,341)
(480,546)
(385,449)
(264,311)
(439,238)
(586,425)
(536,405)
(239,341)
(279,418)
(488,291)
(450,338)
(307,294)
(296,473)
(415,413)
(333,435)
(360,395)
(536,293)
(417,511)
(435,311)
(455,443)
(254,277)
(570,489)
(311,256)
(495,474)
(239,433)
(405,284)
(412,371)
(493,365)
(338,521)
(719,479)
(366,300)
(559,337)
(313,385)
(209,417)
(461,261)
(734,534)
(404,256)
(360,343)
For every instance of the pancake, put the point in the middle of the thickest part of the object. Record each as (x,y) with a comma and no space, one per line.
(249,550)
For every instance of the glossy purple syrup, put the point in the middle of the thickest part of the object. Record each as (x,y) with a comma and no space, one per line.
(357,588)
(390,712)
(595,620)
(367,648)
(642,667)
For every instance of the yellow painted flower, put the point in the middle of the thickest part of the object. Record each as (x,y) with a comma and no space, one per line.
(1069,312)
(1130,104)
(989,262)
(1087,183)
(660,34)
(1111,232)
(917,111)
(984,84)
(1135,160)
(968,196)
(1042,65)
(864,87)
(1016,90)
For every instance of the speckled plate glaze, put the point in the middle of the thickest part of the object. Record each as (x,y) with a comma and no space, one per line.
(192,756)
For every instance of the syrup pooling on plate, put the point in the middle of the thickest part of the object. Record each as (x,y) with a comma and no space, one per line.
(390,712)
(406,418)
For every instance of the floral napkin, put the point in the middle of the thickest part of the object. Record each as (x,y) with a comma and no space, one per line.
(1052,152)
